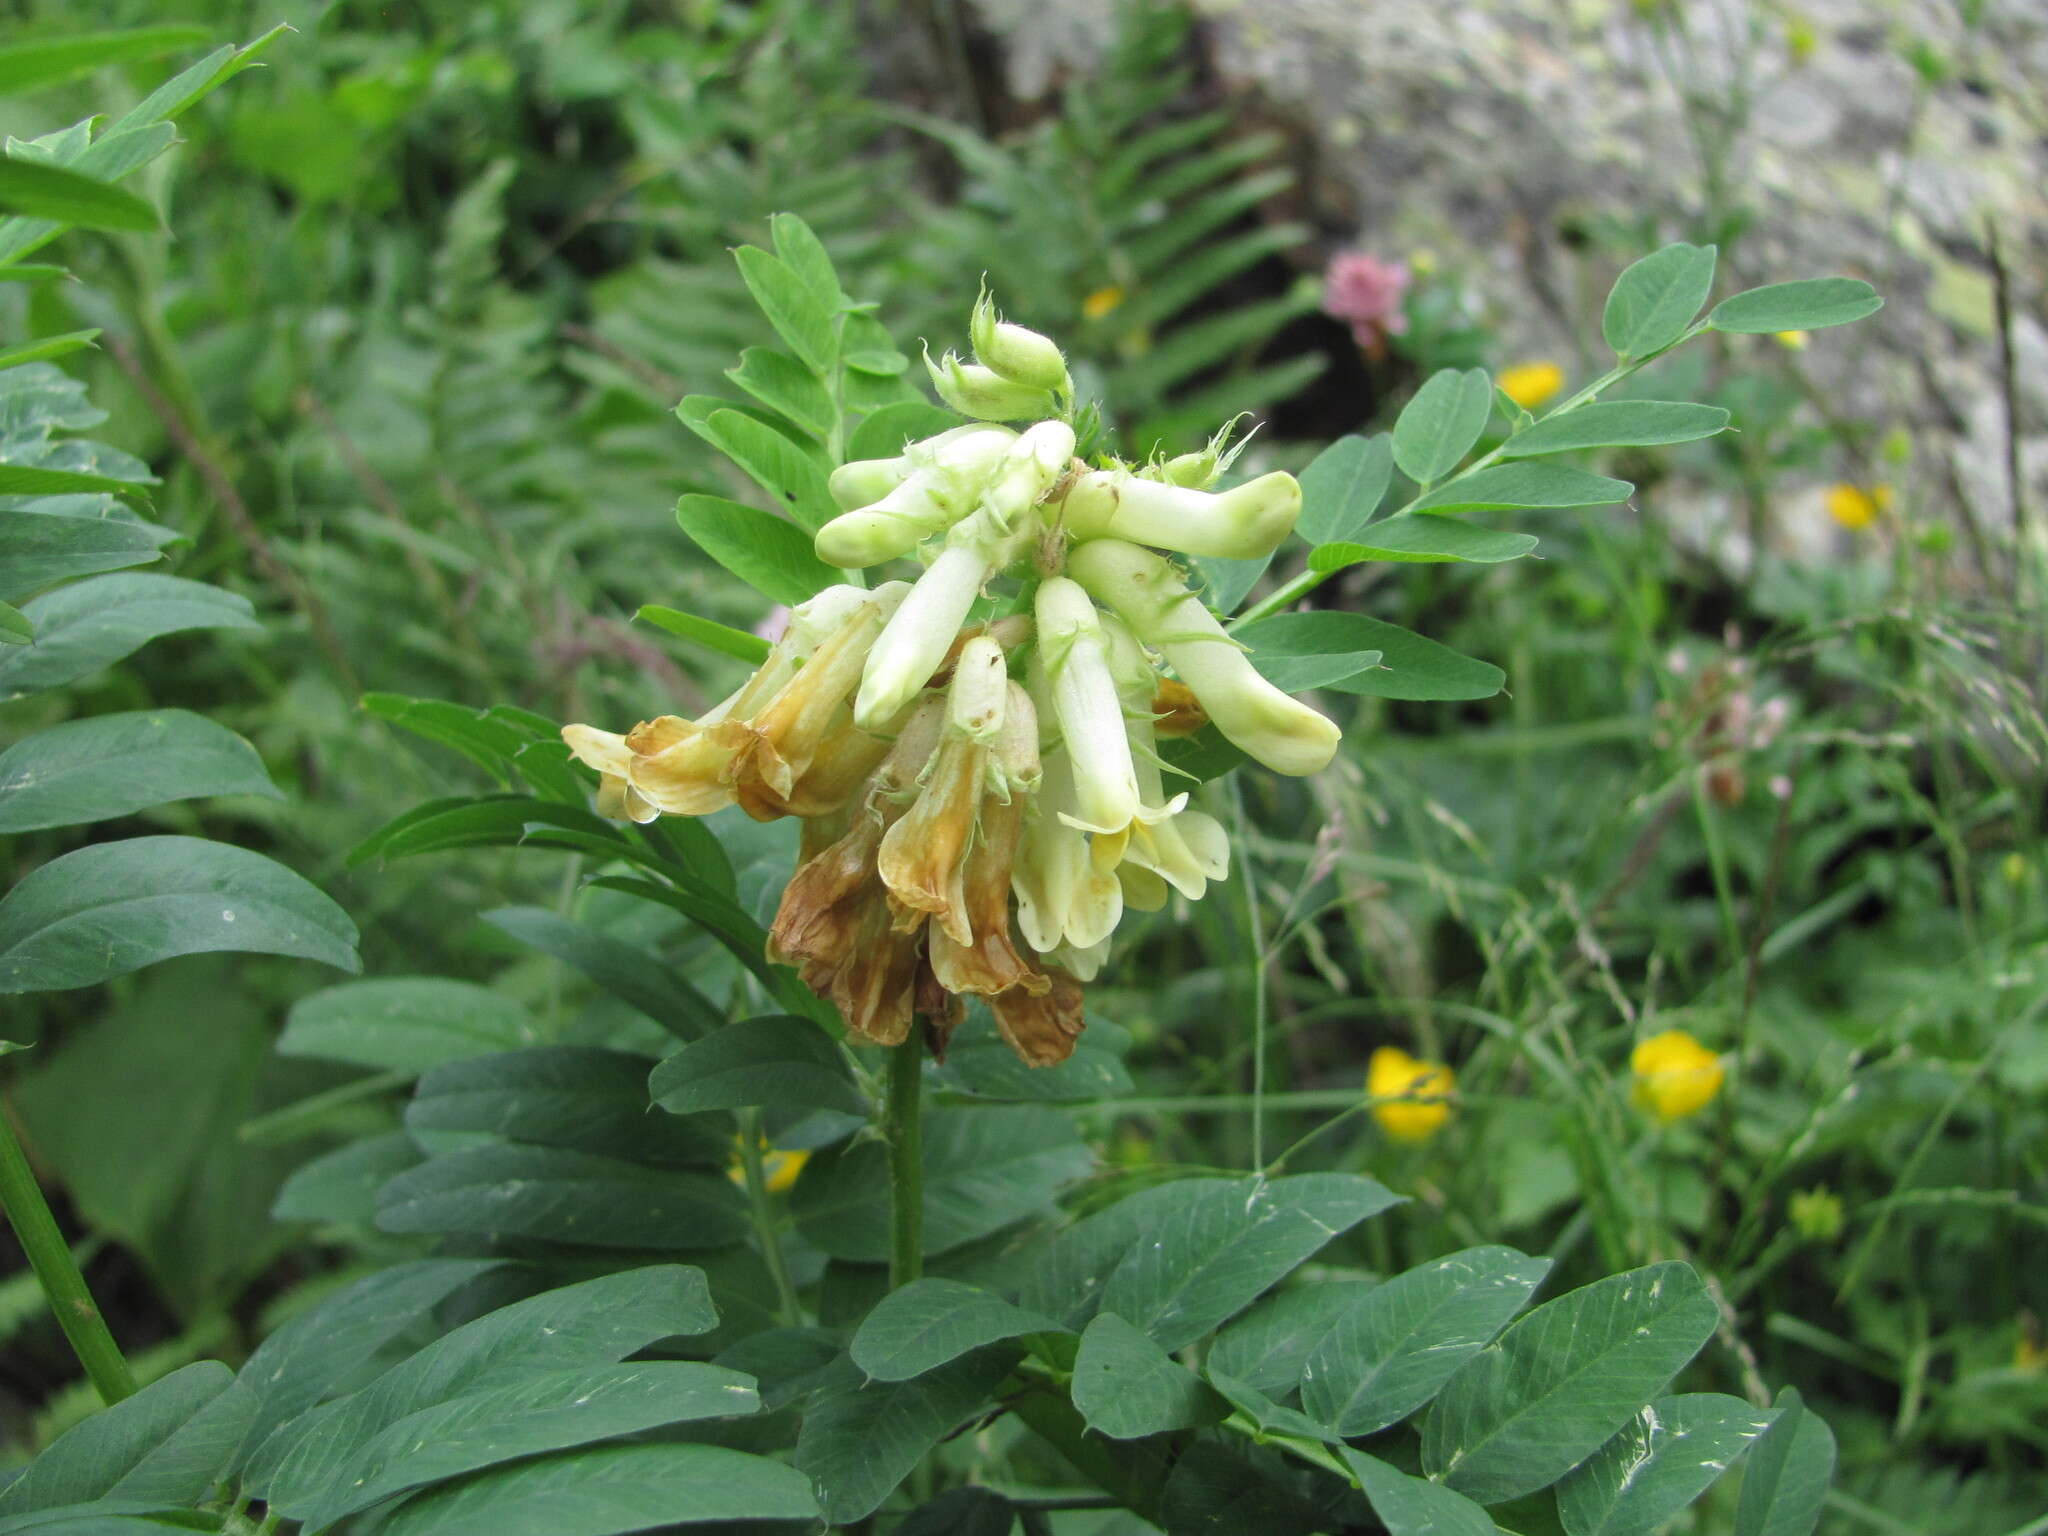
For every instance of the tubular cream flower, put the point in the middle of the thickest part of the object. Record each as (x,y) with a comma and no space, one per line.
(1245,523)
(919,635)
(1185,848)
(986,962)
(1064,903)
(782,745)
(1084,697)
(1148,593)
(1020,356)
(1675,1076)
(1411,1098)
(942,480)
(836,924)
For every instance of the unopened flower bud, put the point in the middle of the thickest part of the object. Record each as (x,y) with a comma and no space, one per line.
(1198,471)
(1084,697)
(1283,733)
(918,636)
(1018,355)
(977,697)
(865,481)
(1245,523)
(984,394)
(1030,467)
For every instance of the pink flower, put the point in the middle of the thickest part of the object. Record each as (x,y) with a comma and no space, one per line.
(1367,292)
(772,627)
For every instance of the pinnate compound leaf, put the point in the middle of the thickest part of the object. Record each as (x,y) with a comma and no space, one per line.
(883,433)
(546,1411)
(769,553)
(1411,666)
(785,386)
(1414,539)
(861,1438)
(609,1492)
(1343,486)
(1618,424)
(1438,427)
(984,1169)
(93,623)
(1414,1506)
(597,1322)
(1395,1350)
(1810,305)
(114,765)
(1785,1481)
(562,1196)
(1525,486)
(405,1023)
(1552,1389)
(932,1321)
(778,1060)
(340,1187)
(1271,1418)
(111,908)
(95,1458)
(1667,1456)
(1654,300)
(1220,1243)
(1127,1387)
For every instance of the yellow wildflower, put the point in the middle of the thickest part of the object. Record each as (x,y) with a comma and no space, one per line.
(779,1168)
(1816,1213)
(1102,301)
(1675,1075)
(1855,507)
(1531,385)
(1411,1098)
(1792,341)
(2029,1353)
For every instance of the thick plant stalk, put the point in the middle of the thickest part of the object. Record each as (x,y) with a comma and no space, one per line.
(56,1271)
(902,1130)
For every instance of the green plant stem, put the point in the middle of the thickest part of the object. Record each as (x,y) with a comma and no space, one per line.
(1292,591)
(902,1130)
(57,1272)
(764,1219)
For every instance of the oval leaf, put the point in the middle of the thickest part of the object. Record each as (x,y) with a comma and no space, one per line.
(113,908)
(1618,424)
(1654,300)
(609,1492)
(1412,538)
(1525,1410)
(1411,666)
(1413,1506)
(1438,427)
(861,1438)
(1669,1455)
(769,553)
(1397,1348)
(114,765)
(1811,305)
(1785,1483)
(783,1061)
(1343,486)
(1504,487)
(931,1321)
(94,623)
(405,1023)
(564,1197)
(1127,1387)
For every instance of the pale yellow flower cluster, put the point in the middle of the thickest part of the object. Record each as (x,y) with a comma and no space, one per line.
(983,797)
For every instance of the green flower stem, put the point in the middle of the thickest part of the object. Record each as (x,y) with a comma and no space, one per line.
(1294,590)
(902,1131)
(77,1313)
(765,1228)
